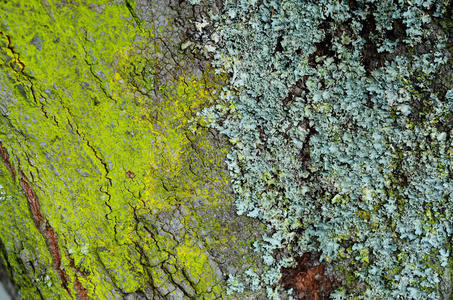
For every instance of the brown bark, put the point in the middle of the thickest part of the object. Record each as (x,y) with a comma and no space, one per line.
(307,279)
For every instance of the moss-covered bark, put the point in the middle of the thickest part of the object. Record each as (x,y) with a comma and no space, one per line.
(111,183)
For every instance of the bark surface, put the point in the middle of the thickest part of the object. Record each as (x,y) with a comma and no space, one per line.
(112,186)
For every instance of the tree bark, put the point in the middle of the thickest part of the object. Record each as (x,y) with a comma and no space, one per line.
(112,185)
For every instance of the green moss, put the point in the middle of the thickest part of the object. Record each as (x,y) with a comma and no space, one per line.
(110,148)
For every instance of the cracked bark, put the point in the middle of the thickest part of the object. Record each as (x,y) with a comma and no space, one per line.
(75,165)
(43,226)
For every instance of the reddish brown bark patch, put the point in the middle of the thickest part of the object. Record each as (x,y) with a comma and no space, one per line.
(308,279)
(5,158)
(45,229)
(130,174)
(33,202)
(82,293)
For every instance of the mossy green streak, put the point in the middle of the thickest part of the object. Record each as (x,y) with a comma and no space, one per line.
(126,173)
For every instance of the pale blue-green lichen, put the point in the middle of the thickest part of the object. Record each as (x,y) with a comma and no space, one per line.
(341,128)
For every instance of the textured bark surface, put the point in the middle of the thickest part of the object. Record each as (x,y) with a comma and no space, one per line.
(308,278)
(111,184)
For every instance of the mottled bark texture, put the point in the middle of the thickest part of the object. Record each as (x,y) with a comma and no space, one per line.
(112,186)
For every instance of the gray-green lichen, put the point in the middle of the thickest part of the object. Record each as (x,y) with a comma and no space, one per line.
(340,117)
